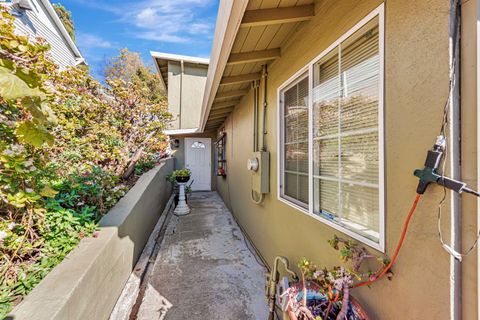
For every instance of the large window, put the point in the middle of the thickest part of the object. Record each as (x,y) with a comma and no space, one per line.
(341,183)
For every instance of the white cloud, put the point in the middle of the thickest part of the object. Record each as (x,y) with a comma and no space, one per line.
(161,37)
(88,40)
(173,21)
(200,28)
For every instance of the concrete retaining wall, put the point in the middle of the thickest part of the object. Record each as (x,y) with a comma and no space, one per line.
(87,283)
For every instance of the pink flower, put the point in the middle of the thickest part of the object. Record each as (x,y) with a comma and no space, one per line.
(96,234)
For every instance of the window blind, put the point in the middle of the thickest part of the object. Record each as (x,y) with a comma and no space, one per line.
(295,157)
(346,133)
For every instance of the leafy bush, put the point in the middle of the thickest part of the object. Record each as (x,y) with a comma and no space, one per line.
(67,146)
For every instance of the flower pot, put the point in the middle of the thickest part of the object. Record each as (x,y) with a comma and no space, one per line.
(317,302)
(182,179)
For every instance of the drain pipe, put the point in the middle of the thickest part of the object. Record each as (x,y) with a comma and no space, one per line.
(454,150)
(255,86)
(265,104)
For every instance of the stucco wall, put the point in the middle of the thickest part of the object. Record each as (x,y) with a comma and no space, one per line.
(416,86)
(185,94)
(88,282)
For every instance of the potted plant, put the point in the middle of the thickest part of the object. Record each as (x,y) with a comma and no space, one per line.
(172,178)
(325,293)
(182,175)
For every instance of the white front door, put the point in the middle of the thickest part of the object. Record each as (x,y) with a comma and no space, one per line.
(198,159)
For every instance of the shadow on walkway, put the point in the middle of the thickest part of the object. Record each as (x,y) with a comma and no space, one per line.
(203,269)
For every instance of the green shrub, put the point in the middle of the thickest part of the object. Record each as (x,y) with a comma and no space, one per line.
(67,146)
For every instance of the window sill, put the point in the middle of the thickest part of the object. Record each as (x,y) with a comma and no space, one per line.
(379,246)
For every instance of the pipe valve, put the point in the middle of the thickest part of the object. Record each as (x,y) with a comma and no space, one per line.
(429,174)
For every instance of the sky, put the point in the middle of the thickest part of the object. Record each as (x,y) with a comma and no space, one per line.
(103,27)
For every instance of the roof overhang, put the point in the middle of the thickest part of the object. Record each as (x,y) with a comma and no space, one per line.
(161,60)
(59,24)
(246,37)
(178,132)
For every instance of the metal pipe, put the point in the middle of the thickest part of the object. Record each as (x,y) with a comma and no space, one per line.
(255,86)
(272,282)
(265,104)
(454,150)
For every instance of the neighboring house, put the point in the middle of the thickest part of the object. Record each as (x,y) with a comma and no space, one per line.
(344,98)
(37,18)
(184,81)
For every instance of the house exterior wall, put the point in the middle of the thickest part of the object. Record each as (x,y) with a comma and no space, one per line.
(416,86)
(38,23)
(185,93)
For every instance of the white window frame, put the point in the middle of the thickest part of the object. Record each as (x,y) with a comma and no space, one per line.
(380,245)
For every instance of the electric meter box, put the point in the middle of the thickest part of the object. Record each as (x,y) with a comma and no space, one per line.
(261,176)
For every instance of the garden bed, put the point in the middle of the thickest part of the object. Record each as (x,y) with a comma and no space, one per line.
(88,282)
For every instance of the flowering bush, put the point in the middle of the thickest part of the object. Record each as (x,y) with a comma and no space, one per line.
(67,146)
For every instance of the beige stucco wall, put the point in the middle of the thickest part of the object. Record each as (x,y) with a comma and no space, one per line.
(416,85)
(185,93)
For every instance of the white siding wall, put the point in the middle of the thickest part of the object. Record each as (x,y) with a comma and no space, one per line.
(37,23)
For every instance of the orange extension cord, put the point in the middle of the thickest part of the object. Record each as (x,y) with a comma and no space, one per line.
(397,250)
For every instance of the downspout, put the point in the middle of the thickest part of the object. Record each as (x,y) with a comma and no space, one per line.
(454,150)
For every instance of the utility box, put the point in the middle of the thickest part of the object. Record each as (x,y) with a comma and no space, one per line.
(260,167)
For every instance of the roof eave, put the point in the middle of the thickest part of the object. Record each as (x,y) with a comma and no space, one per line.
(159,72)
(230,14)
(63,31)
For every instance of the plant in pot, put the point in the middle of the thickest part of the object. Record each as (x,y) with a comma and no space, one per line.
(324,294)
(172,178)
(182,175)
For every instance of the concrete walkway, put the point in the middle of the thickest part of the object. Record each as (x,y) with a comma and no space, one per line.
(203,269)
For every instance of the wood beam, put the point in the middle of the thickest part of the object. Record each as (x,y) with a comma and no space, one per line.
(215,121)
(225,104)
(217,118)
(231,94)
(221,112)
(240,79)
(262,17)
(253,56)
(214,124)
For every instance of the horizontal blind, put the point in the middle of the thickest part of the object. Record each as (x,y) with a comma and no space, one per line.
(346,137)
(359,124)
(295,158)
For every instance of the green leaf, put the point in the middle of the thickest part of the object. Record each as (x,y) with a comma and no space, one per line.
(12,86)
(48,192)
(35,135)
(23,48)
(39,110)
